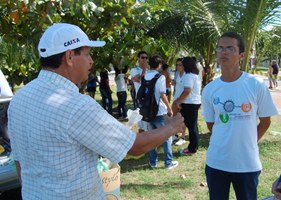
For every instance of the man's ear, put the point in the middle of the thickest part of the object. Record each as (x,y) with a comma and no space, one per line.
(242,55)
(68,57)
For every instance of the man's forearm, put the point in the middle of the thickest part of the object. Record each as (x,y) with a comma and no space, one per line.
(183,95)
(263,126)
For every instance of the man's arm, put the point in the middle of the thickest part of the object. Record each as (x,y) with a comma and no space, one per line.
(136,78)
(107,85)
(18,169)
(149,140)
(263,126)
(183,95)
(166,102)
(276,189)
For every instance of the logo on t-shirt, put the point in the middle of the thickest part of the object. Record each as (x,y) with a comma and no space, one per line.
(228,108)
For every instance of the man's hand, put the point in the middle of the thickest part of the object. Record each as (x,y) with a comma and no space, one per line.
(176,123)
(170,112)
(176,107)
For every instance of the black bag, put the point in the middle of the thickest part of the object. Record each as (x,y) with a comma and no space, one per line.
(146,101)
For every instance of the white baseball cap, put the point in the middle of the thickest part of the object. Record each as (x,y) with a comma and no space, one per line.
(61,37)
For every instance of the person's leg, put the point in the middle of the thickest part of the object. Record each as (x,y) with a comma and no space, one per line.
(123,99)
(103,98)
(94,92)
(245,185)
(270,82)
(133,95)
(190,114)
(119,97)
(274,81)
(167,145)
(109,104)
(218,183)
(153,155)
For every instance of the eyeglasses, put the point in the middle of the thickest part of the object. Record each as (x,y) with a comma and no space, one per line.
(226,49)
(178,65)
(143,57)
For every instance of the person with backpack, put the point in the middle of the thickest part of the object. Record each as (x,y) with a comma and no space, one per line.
(136,75)
(154,105)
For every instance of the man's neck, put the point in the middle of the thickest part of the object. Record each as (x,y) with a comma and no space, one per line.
(230,75)
(143,67)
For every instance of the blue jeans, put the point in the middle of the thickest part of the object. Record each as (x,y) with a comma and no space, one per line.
(159,121)
(244,184)
(122,98)
(106,100)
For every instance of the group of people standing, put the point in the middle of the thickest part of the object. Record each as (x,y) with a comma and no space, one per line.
(186,100)
(231,105)
(106,92)
(57,133)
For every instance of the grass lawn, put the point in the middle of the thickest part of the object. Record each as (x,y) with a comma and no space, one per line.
(138,182)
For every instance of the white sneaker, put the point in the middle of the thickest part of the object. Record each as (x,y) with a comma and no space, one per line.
(173,165)
(180,142)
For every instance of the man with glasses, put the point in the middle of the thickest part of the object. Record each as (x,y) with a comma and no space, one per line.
(231,105)
(136,74)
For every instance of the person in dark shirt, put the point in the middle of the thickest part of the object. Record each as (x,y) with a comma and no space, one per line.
(105,91)
(92,85)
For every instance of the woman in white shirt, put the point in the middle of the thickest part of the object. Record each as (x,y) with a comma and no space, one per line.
(178,88)
(121,91)
(188,100)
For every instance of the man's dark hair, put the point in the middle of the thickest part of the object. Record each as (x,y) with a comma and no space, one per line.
(154,61)
(165,66)
(141,52)
(54,61)
(194,58)
(240,40)
(190,65)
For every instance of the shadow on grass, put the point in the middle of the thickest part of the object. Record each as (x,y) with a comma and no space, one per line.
(204,139)
(157,186)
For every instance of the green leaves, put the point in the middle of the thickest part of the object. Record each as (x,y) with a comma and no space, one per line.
(165,27)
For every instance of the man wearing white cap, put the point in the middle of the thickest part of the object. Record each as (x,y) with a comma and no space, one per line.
(57,133)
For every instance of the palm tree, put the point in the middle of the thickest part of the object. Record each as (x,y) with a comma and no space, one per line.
(195,25)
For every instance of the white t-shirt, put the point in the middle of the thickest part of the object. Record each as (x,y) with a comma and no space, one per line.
(120,83)
(200,68)
(234,107)
(160,88)
(188,80)
(137,71)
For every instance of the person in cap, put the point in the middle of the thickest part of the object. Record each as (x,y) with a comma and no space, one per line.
(57,133)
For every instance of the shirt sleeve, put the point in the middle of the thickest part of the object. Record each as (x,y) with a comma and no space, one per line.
(188,81)
(207,107)
(266,106)
(98,131)
(161,84)
(134,72)
(14,147)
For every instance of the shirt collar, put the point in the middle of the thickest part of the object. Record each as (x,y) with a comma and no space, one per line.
(58,80)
